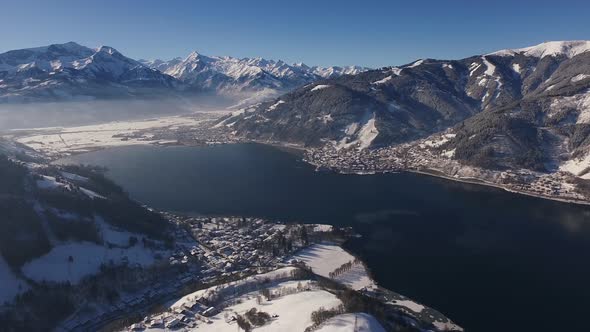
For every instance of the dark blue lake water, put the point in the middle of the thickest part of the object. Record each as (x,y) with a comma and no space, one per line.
(489,259)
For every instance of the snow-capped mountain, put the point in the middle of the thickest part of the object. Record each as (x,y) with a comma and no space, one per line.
(245,77)
(530,107)
(71,71)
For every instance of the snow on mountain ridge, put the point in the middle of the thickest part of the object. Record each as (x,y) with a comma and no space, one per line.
(57,57)
(551,48)
(65,70)
(239,67)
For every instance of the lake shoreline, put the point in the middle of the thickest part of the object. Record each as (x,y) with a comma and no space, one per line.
(476,181)
(299,151)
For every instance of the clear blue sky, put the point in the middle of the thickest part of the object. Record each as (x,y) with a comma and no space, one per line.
(363,32)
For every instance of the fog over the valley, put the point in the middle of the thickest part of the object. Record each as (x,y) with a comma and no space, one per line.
(73,113)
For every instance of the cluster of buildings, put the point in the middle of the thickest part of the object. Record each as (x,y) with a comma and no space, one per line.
(195,134)
(189,315)
(207,251)
(426,158)
(234,243)
(226,247)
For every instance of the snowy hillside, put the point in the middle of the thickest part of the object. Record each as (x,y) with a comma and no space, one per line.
(290,307)
(568,49)
(63,224)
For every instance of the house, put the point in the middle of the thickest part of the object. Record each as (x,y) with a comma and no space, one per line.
(137,327)
(173,323)
(210,312)
(156,323)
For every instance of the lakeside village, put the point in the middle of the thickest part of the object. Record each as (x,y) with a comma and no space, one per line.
(425,156)
(207,252)
(218,263)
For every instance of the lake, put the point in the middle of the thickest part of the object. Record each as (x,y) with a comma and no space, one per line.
(489,259)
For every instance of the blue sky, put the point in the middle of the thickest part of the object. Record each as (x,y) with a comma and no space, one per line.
(365,32)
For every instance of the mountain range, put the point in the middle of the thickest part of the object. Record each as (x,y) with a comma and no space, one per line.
(516,108)
(521,108)
(73,72)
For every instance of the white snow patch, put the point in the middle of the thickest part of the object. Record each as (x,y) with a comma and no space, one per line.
(449,153)
(580,77)
(357,322)
(516,68)
(416,64)
(275,105)
(367,134)
(396,71)
(436,141)
(320,87)
(415,307)
(447,326)
(322,228)
(383,81)
(473,67)
(578,166)
(91,193)
(491,69)
(351,128)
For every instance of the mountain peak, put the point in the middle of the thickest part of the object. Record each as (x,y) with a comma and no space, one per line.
(568,49)
(107,49)
(194,55)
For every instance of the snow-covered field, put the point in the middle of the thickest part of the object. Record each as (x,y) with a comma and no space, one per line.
(10,284)
(56,141)
(279,275)
(292,312)
(359,322)
(325,258)
(87,257)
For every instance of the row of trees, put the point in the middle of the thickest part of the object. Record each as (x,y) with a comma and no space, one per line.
(344,268)
(321,315)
